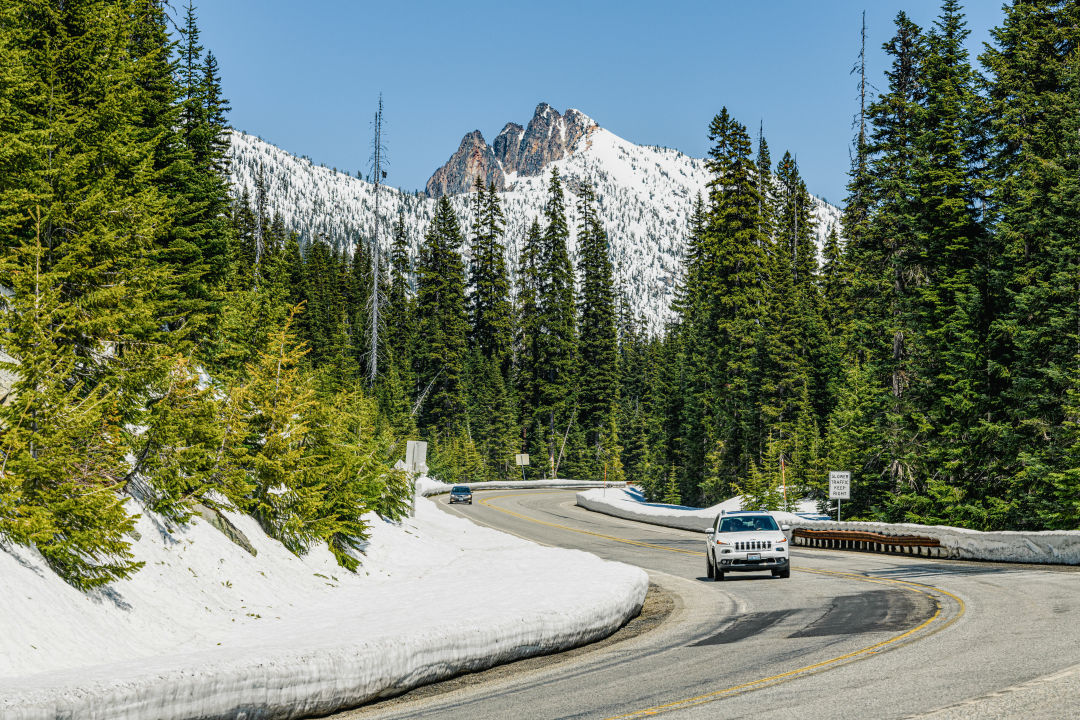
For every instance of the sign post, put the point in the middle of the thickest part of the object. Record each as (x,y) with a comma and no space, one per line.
(839,488)
(415,464)
(522,459)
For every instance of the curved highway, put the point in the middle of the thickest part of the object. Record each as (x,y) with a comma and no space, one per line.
(849,635)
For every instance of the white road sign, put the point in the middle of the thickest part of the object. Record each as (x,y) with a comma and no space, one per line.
(521,459)
(416,456)
(839,485)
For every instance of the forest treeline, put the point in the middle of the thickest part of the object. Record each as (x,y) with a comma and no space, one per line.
(177,349)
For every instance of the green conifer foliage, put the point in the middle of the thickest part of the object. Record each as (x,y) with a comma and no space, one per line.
(888,265)
(400,305)
(1033,109)
(598,386)
(175,458)
(948,313)
(61,473)
(671,488)
(490,312)
(556,328)
(795,224)
(352,447)
(277,401)
(733,268)
(765,186)
(528,313)
(442,323)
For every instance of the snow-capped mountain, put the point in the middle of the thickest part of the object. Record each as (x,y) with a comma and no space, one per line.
(645,196)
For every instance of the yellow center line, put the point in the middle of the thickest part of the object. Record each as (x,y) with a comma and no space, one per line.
(862,653)
(485,502)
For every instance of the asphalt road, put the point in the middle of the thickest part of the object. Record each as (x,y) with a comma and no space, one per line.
(849,635)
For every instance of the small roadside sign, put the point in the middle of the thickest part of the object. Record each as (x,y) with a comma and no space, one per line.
(416,457)
(839,488)
(839,485)
(521,459)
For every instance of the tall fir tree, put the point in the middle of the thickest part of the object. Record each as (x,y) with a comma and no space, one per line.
(442,322)
(733,270)
(598,386)
(1033,107)
(526,366)
(556,329)
(490,310)
(948,320)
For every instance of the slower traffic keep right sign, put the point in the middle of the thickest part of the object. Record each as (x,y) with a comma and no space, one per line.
(839,488)
(839,485)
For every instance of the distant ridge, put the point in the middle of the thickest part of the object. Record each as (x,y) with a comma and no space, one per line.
(645,196)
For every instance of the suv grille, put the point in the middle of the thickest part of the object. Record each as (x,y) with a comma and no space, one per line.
(753,545)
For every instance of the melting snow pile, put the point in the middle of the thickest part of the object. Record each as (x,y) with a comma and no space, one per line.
(207,630)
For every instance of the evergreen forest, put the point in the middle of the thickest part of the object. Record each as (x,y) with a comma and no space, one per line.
(175,349)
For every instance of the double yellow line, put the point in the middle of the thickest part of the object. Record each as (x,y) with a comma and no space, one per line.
(862,653)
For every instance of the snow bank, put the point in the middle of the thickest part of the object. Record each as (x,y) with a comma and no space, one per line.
(207,630)
(630,504)
(429,486)
(1047,547)
(1050,547)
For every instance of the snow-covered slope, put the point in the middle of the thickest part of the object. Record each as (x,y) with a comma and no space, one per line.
(207,630)
(646,196)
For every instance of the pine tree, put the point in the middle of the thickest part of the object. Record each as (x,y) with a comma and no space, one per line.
(795,223)
(400,307)
(732,271)
(1033,100)
(175,455)
(671,489)
(277,402)
(598,385)
(526,367)
(765,186)
(556,336)
(62,453)
(440,308)
(352,447)
(948,313)
(887,262)
(490,311)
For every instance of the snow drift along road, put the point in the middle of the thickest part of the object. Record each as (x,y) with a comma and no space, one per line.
(206,630)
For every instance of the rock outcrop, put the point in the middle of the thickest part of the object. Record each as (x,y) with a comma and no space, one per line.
(516,151)
(507,145)
(473,159)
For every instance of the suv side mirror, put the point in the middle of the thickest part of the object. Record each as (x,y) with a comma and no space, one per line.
(785,528)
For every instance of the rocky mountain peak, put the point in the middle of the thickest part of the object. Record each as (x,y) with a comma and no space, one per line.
(473,159)
(517,150)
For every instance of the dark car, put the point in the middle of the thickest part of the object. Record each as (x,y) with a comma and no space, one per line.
(461,493)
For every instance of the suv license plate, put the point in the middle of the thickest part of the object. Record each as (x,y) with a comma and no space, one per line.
(753,556)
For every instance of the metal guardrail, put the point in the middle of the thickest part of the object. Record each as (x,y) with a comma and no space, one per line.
(868,542)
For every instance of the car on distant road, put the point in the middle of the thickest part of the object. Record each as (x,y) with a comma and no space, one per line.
(461,493)
(746,541)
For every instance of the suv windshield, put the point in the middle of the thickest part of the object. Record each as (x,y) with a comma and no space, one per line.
(461,490)
(747,524)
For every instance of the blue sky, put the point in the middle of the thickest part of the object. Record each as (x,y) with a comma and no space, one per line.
(306,75)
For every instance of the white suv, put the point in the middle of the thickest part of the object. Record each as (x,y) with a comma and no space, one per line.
(746,541)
